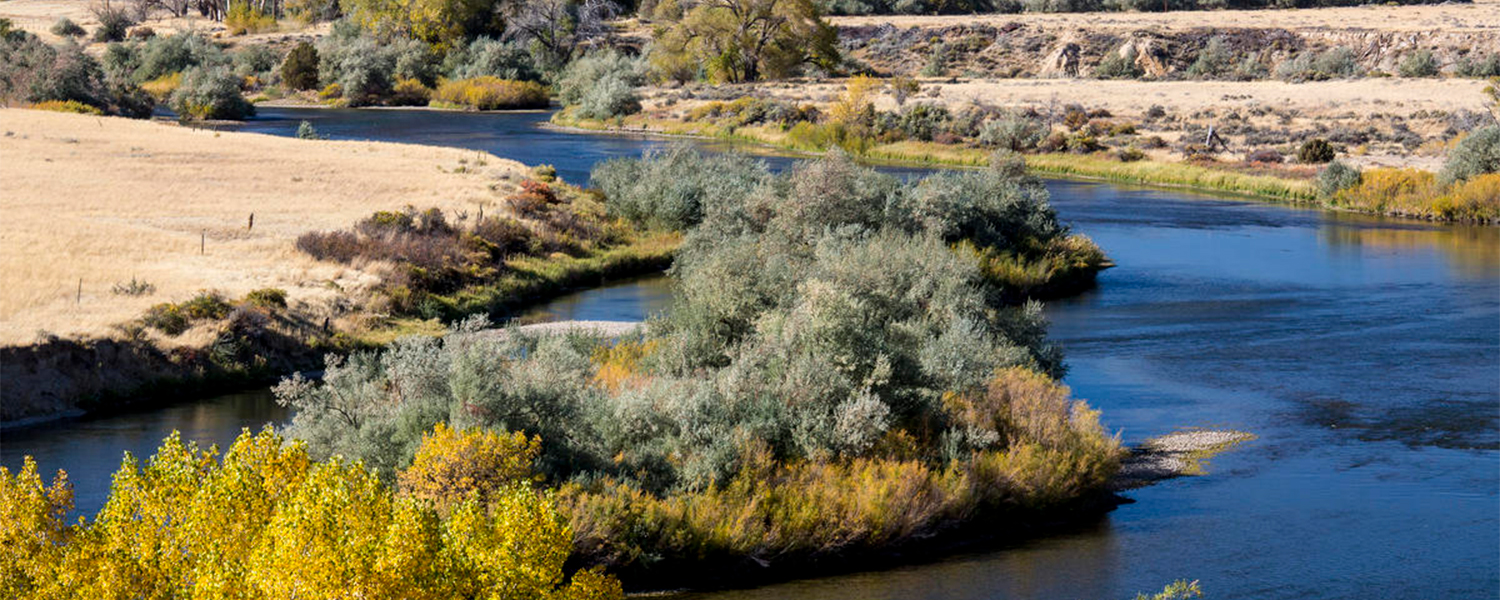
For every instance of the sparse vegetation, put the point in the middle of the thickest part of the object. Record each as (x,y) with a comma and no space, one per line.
(1419,64)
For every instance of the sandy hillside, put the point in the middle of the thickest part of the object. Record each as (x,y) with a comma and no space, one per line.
(106,199)
(1480,16)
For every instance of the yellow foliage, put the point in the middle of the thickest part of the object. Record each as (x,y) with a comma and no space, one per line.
(243,18)
(452,467)
(268,522)
(618,364)
(1416,193)
(491,93)
(67,106)
(162,87)
(31,528)
(855,103)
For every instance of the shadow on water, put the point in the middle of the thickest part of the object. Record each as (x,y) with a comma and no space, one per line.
(1364,352)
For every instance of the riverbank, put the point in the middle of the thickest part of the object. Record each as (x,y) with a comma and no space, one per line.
(148,262)
(1143,172)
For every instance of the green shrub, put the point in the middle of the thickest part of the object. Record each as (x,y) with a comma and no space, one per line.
(164,55)
(254,60)
(267,298)
(66,28)
(1215,60)
(210,93)
(1419,64)
(1335,177)
(602,85)
(114,23)
(1315,151)
(1333,63)
(1013,131)
(300,69)
(488,57)
(1119,64)
(1477,153)
(669,188)
(1480,67)
(491,93)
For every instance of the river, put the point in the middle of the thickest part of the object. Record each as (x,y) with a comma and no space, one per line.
(1364,352)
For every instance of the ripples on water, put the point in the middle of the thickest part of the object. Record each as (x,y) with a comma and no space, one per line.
(1365,353)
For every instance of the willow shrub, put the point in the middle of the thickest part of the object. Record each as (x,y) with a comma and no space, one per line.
(833,374)
(266,521)
(1417,193)
(490,93)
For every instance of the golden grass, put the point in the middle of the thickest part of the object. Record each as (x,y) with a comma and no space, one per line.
(102,200)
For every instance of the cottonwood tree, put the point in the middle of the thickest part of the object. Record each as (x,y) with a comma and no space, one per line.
(437,22)
(741,40)
(556,28)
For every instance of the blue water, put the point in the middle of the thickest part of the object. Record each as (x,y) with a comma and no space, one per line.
(1364,352)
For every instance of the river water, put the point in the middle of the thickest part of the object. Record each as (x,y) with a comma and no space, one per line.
(1364,352)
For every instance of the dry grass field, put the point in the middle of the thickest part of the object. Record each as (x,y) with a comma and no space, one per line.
(105,200)
(1420,104)
(1480,16)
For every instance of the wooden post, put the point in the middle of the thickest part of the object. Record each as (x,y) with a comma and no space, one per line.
(203,242)
(251,224)
(79,299)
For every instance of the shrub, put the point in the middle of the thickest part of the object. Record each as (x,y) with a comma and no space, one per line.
(305,131)
(1215,60)
(363,67)
(1335,177)
(165,55)
(242,18)
(265,520)
(602,85)
(1119,64)
(113,24)
(491,93)
(670,188)
(254,60)
(300,69)
(453,467)
(1129,154)
(488,57)
(1333,63)
(410,92)
(1475,154)
(134,287)
(267,298)
(210,93)
(65,27)
(1264,155)
(923,121)
(1418,64)
(1315,151)
(1480,67)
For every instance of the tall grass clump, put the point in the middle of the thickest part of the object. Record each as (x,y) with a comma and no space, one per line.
(834,376)
(490,93)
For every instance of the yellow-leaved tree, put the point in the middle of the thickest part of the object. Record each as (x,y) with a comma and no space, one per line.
(266,521)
